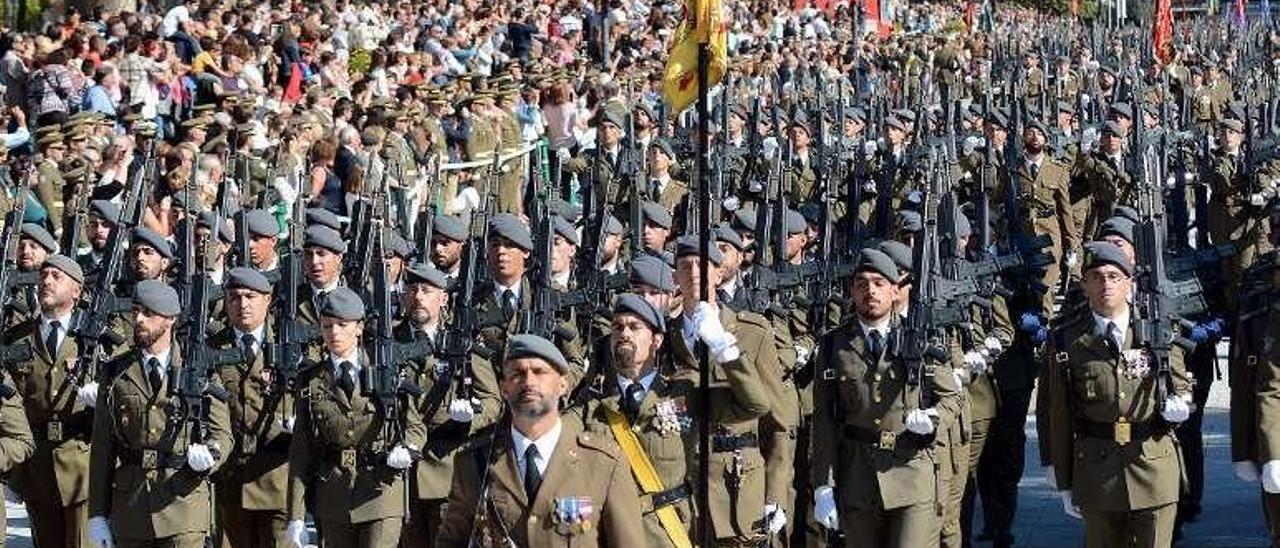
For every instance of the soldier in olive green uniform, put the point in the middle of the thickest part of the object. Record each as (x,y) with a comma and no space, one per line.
(148,477)
(456,402)
(50,184)
(1115,459)
(539,479)
(876,475)
(1236,204)
(648,413)
(341,454)
(58,397)
(252,489)
(1044,206)
(322,260)
(16,442)
(1254,366)
(742,352)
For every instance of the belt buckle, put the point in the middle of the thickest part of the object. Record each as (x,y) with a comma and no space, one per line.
(349,459)
(887,440)
(1123,433)
(150,459)
(54,431)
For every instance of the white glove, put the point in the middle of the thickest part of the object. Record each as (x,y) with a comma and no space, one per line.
(975,362)
(1051,477)
(802,354)
(563,155)
(399,458)
(461,411)
(722,344)
(199,458)
(100,532)
(297,533)
(1068,505)
(1247,471)
(288,422)
(993,346)
(824,508)
(88,394)
(775,518)
(920,421)
(960,377)
(1271,476)
(1175,409)
(1257,199)
(1072,259)
(467,199)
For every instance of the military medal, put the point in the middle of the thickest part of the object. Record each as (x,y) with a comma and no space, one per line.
(573,515)
(670,418)
(1136,364)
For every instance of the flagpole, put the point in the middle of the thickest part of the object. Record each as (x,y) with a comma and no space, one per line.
(708,534)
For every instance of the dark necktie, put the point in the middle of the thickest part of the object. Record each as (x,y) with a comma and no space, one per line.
(632,399)
(1113,336)
(875,343)
(153,375)
(508,303)
(532,477)
(246,343)
(347,378)
(51,342)
(1033,169)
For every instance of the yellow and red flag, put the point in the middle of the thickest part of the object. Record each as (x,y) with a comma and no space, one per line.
(703,23)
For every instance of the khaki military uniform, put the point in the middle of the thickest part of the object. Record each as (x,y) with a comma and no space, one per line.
(138,474)
(1232,219)
(495,327)
(1253,372)
(513,172)
(252,489)
(887,488)
(662,431)
(61,426)
(586,471)
(433,475)
(16,442)
(1045,209)
(1109,445)
(49,189)
(740,399)
(337,458)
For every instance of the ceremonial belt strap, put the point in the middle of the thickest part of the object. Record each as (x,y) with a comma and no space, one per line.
(646,475)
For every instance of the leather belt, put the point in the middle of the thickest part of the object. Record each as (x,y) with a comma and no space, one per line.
(153,459)
(887,440)
(60,431)
(727,443)
(1121,431)
(669,497)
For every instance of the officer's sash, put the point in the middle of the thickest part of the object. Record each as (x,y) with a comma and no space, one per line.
(643,470)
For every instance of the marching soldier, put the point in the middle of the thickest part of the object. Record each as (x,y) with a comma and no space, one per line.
(35,244)
(58,399)
(448,233)
(148,483)
(16,443)
(1255,453)
(647,412)
(49,173)
(339,454)
(875,476)
(1234,212)
(264,234)
(740,346)
(671,193)
(252,488)
(103,216)
(539,479)
(1115,460)
(322,256)
(456,403)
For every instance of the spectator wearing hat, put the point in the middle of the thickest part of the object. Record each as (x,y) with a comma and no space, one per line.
(171,506)
(357,501)
(54,489)
(455,404)
(741,346)
(1088,418)
(893,500)
(252,492)
(539,467)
